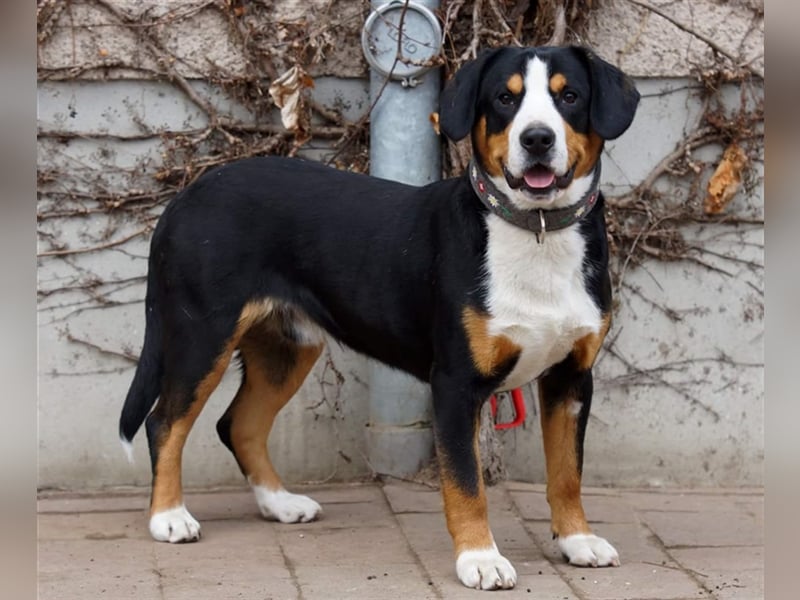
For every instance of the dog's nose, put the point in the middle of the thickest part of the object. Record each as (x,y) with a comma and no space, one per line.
(537,140)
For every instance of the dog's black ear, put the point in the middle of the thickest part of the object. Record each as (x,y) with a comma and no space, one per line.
(458,99)
(614,97)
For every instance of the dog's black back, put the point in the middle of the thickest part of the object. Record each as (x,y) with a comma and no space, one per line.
(399,251)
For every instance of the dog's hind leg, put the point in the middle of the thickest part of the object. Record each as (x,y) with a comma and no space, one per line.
(195,361)
(274,367)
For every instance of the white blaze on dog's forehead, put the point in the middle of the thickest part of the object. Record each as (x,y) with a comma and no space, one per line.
(538,106)
(537,109)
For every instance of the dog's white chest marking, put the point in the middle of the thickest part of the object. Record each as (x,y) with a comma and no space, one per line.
(537,297)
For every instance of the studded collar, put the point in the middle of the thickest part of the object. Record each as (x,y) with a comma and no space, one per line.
(539,221)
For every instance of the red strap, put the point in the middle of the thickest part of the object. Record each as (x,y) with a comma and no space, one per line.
(518,400)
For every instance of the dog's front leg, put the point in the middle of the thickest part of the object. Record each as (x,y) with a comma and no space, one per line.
(457,417)
(565,395)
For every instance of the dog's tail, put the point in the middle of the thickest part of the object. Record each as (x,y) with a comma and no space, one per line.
(146,385)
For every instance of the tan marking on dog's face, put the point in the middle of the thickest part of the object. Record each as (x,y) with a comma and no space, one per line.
(493,149)
(466,514)
(583,150)
(557,83)
(585,349)
(515,84)
(489,352)
(559,431)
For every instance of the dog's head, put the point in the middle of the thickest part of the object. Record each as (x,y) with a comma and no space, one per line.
(538,118)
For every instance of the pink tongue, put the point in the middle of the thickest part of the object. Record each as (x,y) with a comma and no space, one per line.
(539,177)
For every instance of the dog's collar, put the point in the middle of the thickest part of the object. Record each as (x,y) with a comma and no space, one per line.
(540,220)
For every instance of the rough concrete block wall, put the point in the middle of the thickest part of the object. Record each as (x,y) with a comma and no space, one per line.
(90,40)
(679,401)
(664,42)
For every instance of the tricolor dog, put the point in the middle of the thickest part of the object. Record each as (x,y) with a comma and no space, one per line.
(473,284)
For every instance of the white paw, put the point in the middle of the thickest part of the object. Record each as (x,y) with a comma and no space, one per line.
(588,550)
(485,570)
(174,525)
(286,507)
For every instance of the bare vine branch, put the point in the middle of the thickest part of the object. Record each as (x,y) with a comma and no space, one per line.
(119,242)
(129,356)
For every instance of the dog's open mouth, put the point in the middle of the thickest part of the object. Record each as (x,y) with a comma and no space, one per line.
(539,179)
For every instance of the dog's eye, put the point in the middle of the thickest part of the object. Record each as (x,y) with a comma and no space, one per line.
(569,97)
(505,99)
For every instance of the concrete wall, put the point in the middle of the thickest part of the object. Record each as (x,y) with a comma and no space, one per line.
(82,386)
(660,43)
(693,417)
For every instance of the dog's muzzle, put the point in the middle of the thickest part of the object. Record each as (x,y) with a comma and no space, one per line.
(538,177)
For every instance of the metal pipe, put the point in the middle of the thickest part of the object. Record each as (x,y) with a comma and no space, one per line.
(403,147)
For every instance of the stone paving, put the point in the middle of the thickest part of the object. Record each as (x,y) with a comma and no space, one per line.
(390,541)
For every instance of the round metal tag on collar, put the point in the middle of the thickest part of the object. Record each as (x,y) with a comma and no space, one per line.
(420,42)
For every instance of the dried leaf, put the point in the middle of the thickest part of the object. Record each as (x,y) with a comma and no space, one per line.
(434,119)
(287,93)
(726,180)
